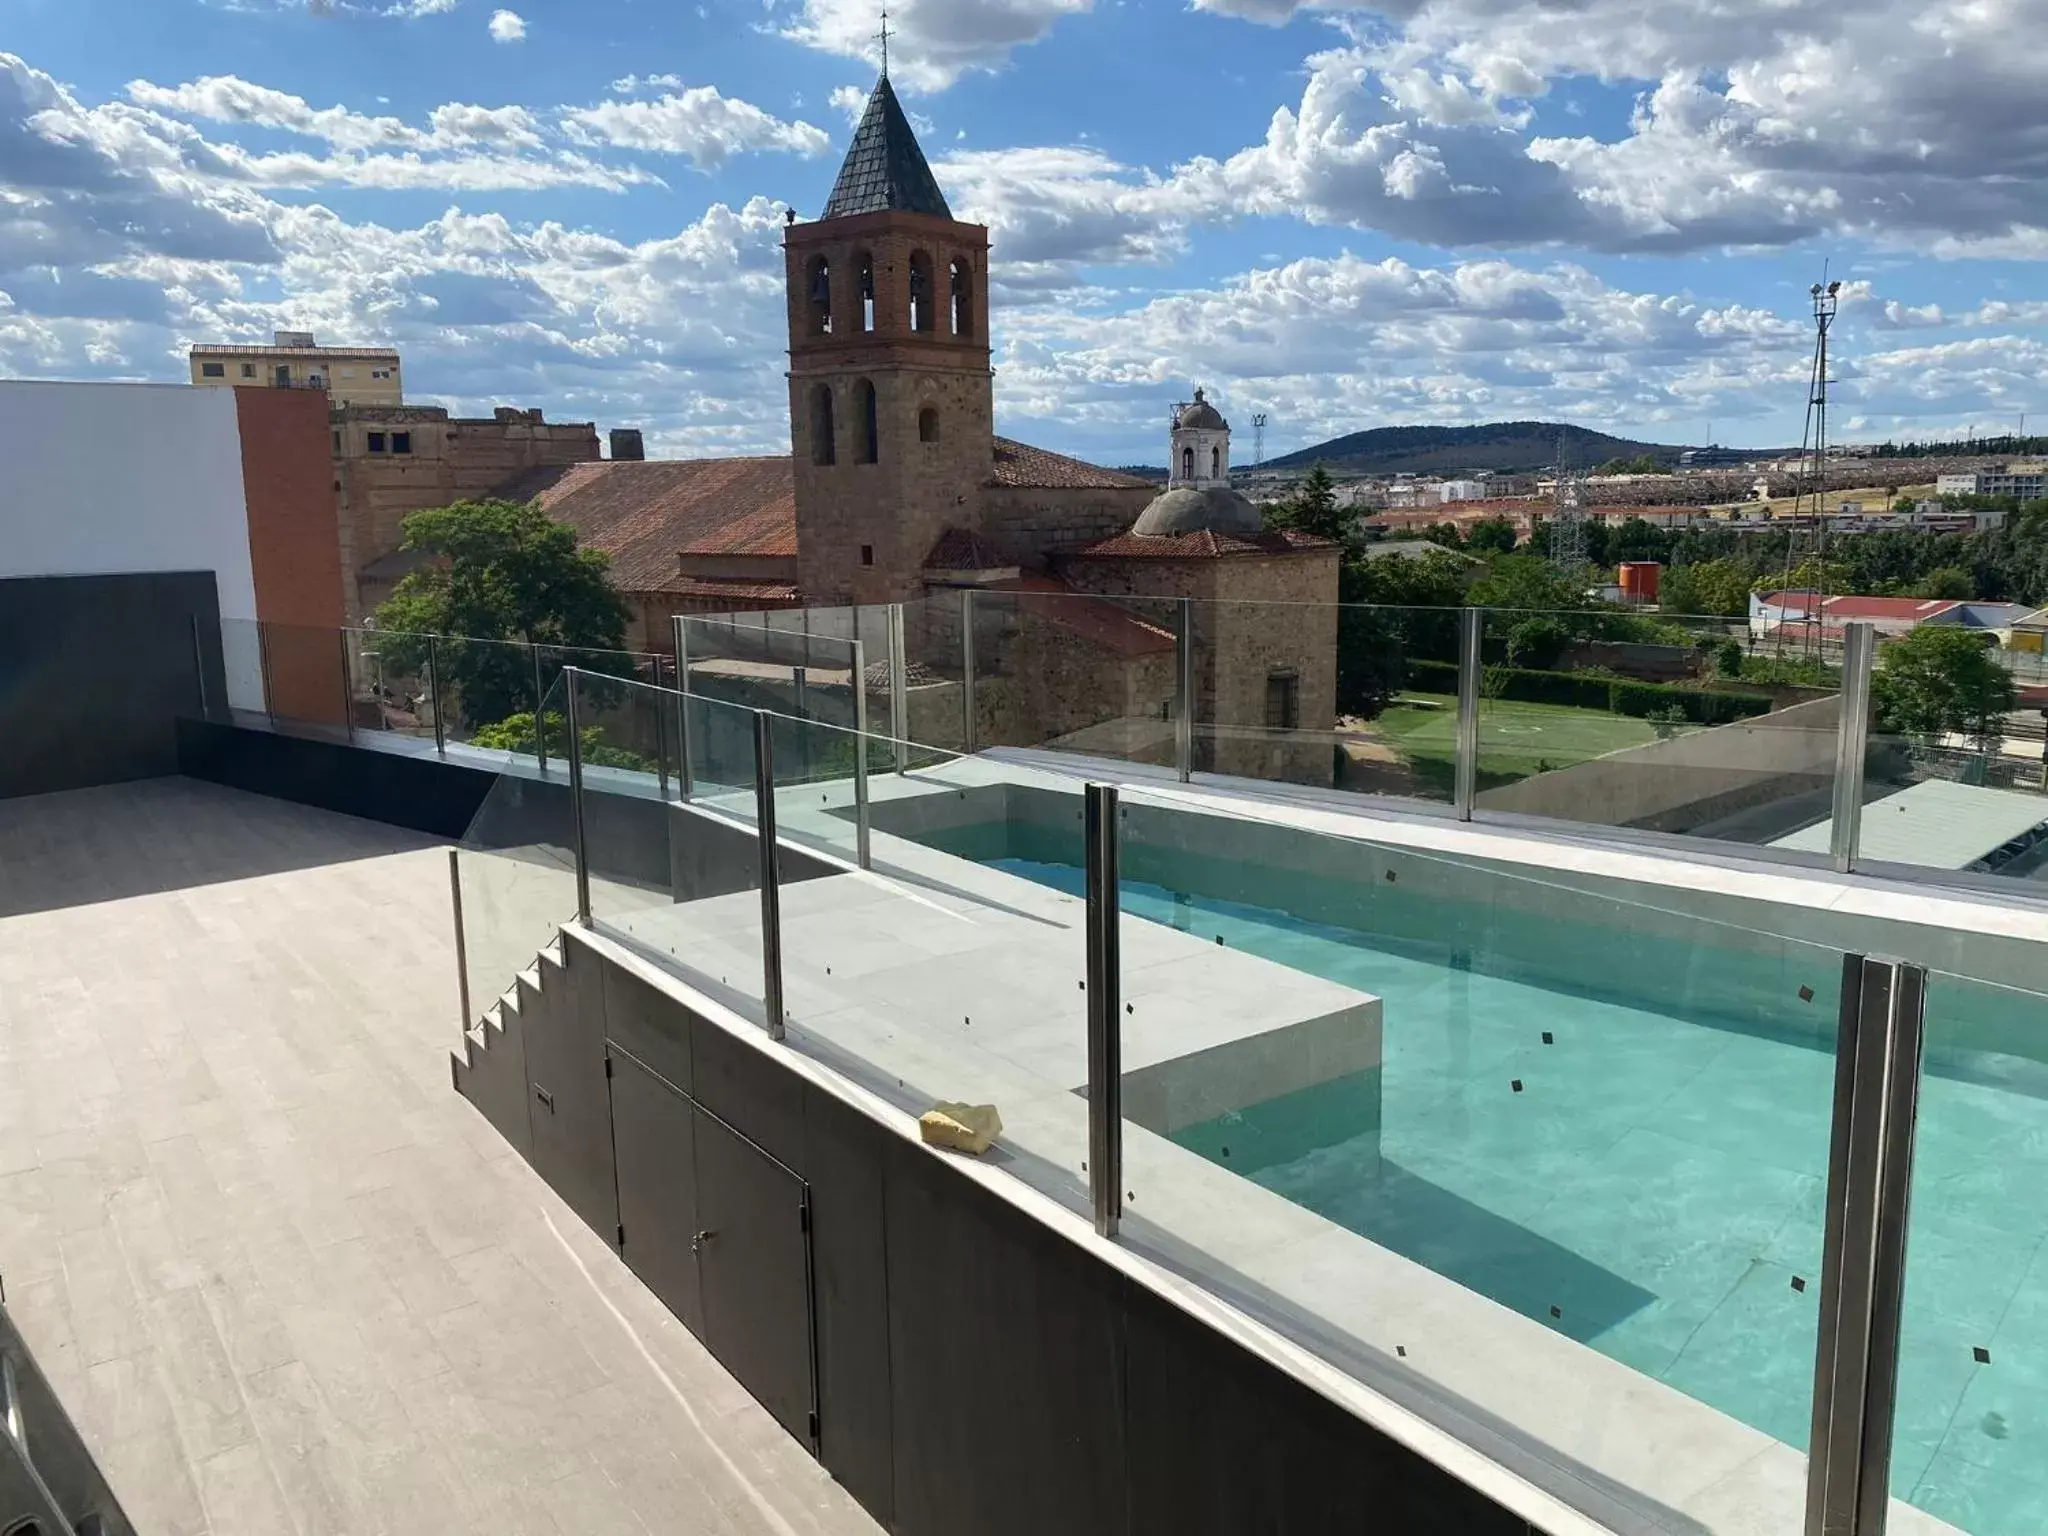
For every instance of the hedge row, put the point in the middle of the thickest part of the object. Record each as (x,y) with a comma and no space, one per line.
(1581,690)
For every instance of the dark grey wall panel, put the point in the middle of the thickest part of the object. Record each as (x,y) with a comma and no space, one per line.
(843,1153)
(96,670)
(1006,1365)
(657,1161)
(1222,1444)
(754,1266)
(422,793)
(970,1363)
(748,1091)
(648,1024)
(571,1114)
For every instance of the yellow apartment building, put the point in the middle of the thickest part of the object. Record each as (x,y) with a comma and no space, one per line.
(350,375)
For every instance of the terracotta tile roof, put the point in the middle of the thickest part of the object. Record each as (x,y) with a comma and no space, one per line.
(645,512)
(739,589)
(1098,620)
(957,549)
(1204,545)
(1021,464)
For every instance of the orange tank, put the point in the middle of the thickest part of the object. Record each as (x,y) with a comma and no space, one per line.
(1639,580)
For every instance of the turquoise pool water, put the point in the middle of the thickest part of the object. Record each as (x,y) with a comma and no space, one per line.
(1643,1171)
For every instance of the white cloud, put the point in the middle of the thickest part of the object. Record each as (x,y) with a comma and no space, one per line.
(1052,209)
(932,43)
(629,85)
(507,27)
(699,124)
(421,7)
(848,100)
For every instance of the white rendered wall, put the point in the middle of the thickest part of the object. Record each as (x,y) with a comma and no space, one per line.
(112,479)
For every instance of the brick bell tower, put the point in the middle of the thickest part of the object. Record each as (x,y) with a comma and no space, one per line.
(891,411)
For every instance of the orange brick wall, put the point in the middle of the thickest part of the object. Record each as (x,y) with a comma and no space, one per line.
(294,548)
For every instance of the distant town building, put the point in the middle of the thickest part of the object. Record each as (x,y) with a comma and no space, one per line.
(350,375)
(1460,490)
(2027,482)
(391,460)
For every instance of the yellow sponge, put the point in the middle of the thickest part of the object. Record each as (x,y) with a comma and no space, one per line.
(963,1127)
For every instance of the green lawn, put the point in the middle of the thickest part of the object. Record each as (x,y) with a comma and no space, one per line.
(1515,739)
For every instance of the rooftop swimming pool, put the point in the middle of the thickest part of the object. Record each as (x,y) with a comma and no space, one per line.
(1621,1133)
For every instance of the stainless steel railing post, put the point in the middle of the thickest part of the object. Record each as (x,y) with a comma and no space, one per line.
(434,694)
(660,732)
(540,709)
(899,688)
(198,665)
(685,782)
(771,894)
(967,731)
(263,664)
(348,703)
(860,754)
(569,675)
(1184,690)
(1471,630)
(461,941)
(1852,740)
(1879,1042)
(1105,1011)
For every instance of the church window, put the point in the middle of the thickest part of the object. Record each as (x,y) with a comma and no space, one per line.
(921,295)
(820,299)
(1283,700)
(963,306)
(867,554)
(1187,463)
(823,449)
(870,426)
(1215,463)
(928,425)
(864,264)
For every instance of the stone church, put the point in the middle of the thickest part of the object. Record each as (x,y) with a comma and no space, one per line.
(897,489)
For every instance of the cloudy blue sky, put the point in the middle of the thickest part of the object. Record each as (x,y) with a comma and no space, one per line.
(1607,211)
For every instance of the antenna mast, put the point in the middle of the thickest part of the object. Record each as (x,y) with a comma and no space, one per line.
(1567,520)
(1258,438)
(1815,478)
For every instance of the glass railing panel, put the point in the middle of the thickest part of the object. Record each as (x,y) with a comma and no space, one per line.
(796,662)
(1395,673)
(945,972)
(1090,675)
(680,880)
(1953,779)
(308,676)
(1652,721)
(518,870)
(1542,1148)
(1970,1438)
(241,653)
(483,691)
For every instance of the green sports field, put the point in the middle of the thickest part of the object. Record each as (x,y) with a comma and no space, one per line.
(1515,739)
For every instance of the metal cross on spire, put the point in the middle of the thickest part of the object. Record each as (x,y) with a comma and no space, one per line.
(884,36)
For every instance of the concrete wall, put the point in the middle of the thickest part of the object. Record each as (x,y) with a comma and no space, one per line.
(127,478)
(1676,785)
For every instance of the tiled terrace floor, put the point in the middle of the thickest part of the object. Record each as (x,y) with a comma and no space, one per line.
(283,1277)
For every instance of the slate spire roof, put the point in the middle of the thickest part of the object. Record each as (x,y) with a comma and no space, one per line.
(884,170)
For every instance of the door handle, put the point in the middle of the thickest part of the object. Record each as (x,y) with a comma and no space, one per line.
(699,1239)
(547,1100)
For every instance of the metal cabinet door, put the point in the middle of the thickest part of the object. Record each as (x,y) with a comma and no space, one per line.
(655,1148)
(754,1263)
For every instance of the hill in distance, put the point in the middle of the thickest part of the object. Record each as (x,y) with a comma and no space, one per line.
(1498,445)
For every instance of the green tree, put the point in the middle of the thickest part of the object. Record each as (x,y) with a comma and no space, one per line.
(1528,582)
(514,733)
(1313,509)
(1395,607)
(1719,587)
(1495,533)
(1537,643)
(1948,583)
(1941,679)
(1728,658)
(500,571)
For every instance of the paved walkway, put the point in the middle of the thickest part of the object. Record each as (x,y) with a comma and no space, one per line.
(283,1277)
